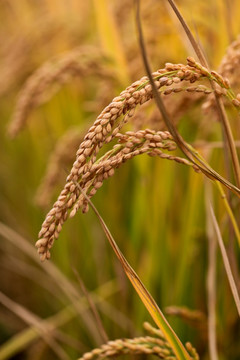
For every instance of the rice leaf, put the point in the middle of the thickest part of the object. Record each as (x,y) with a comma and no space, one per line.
(143,293)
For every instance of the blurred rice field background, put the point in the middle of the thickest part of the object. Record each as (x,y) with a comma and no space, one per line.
(155,209)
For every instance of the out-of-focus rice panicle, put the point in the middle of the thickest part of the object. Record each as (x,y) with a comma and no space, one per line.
(62,155)
(18,57)
(229,68)
(195,317)
(51,76)
(230,64)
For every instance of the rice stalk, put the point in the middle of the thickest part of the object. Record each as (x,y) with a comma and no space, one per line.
(211,280)
(219,105)
(93,308)
(226,261)
(213,77)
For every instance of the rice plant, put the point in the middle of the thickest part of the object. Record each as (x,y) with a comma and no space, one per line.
(104,94)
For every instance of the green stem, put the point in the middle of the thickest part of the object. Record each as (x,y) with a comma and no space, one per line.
(229,211)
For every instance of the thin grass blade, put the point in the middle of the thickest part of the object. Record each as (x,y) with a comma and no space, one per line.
(226,261)
(211,283)
(143,293)
(32,319)
(23,339)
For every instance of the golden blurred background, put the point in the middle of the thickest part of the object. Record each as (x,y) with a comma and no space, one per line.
(61,63)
